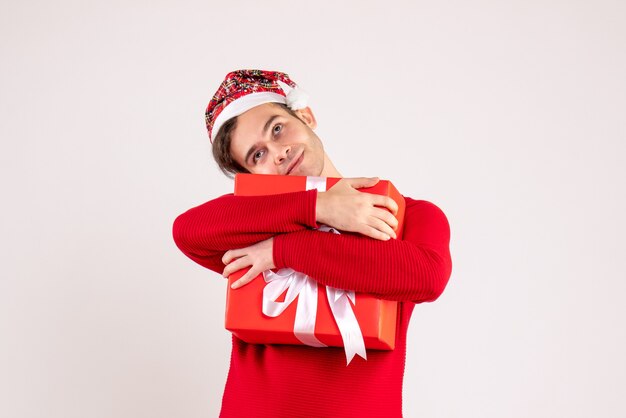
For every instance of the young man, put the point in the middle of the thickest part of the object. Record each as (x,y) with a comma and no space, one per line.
(256,127)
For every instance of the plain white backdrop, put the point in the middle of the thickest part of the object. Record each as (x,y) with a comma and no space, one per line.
(510,116)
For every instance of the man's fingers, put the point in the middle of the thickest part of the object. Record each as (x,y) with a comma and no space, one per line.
(236,265)
(230,255)
(372,232)
(387,217)
(360,182)
(380,225)
(245,279)
(386,202)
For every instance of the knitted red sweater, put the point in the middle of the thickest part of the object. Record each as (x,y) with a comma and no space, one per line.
(299,381)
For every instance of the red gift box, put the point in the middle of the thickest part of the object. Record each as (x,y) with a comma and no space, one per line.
(244,317)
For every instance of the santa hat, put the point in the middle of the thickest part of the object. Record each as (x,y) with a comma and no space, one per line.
(244,89)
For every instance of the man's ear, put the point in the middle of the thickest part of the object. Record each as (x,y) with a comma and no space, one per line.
(306,115)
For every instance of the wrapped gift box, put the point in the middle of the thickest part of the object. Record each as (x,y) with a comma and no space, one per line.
(244,317)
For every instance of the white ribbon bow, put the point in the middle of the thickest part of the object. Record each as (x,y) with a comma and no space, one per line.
(305,289)
(297,285)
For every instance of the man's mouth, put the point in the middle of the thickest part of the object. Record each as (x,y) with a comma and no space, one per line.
(295,163)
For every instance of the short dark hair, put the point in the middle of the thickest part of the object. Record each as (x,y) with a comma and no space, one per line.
(221,145)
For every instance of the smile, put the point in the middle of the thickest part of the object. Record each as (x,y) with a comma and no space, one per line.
(295,164)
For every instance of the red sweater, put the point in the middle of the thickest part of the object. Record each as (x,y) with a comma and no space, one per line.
(267,380)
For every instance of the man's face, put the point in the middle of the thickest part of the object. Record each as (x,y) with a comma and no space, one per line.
(268,140)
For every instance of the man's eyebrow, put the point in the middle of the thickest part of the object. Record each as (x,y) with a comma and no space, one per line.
(268,123)
(265,128)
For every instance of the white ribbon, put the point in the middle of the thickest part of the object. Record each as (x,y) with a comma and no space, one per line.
(351,335)
(318,183)
(305,289)
(297,285)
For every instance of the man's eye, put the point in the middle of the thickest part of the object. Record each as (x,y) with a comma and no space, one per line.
(257,155)
(277,128)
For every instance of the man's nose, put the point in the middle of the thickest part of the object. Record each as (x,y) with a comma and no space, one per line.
(281,153)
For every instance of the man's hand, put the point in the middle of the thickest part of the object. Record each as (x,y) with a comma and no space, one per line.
(259,257)
(345,208)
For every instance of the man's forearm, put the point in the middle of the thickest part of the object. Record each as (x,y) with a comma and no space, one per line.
(414,268)
(237,221)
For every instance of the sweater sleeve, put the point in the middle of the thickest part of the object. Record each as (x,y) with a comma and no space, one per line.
(206,232)
(414,268)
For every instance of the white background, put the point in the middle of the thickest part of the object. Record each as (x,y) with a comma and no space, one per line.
(508,115)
